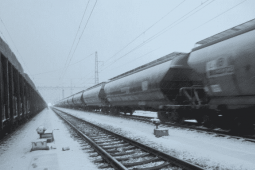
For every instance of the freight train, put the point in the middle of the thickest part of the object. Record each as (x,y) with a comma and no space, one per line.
(214,84)
(19,99)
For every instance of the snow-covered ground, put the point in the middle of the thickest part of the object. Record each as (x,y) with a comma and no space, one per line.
(201,148)
(15,151)
(145,113)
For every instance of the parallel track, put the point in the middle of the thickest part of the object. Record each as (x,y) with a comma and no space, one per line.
(216,132)
(114,148)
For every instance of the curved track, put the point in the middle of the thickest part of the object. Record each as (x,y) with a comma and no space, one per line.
(120,152)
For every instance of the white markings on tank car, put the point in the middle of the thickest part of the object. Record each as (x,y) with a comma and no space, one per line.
(145,85)
(219,67)
(216,88)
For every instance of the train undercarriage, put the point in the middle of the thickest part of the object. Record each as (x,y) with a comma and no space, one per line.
(239,122)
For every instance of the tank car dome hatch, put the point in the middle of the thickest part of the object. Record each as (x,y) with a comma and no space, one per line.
(235,31)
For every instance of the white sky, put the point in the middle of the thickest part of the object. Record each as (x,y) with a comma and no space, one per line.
(43,32)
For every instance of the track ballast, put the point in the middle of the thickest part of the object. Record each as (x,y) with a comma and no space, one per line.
(117,151)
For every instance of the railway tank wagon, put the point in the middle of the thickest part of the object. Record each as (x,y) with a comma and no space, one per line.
(226,61)
(156,87)
(95,99)
(78,100)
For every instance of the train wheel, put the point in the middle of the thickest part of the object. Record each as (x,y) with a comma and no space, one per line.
(177,116)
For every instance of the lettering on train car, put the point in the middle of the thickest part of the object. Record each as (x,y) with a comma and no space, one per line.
(216,88)
(219,67)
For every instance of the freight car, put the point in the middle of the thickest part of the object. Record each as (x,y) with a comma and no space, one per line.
(19,99)
(213,84)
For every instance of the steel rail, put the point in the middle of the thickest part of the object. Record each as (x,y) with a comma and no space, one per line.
(110,160)
(249,138)
(177,162)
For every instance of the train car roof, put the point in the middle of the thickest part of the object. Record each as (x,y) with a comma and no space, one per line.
(150,64)
(7,52)
(232,32)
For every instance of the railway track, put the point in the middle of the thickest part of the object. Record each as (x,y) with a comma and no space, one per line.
(190,126)
(194,127)
(119,152)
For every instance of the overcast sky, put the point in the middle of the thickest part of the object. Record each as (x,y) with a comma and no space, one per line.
(125,33)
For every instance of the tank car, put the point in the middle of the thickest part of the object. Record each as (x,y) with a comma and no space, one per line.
(214,83)
(165,85)
(78,100)
(94,97)
(226,62)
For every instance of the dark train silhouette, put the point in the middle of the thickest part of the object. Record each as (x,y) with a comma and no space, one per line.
(19,99)
(214,84)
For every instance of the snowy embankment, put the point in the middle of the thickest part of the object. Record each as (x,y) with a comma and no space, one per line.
(15,151)
(200,148)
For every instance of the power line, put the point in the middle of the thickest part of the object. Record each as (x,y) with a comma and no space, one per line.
(147,29)
(130,61)
(135,59)
(78,41)
(196,27)
(80,38)
(63,67)
(83,30)
(77,32)
(14,43)
(181,19)
(218,15)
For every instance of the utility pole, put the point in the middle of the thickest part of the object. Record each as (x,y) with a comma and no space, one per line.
(63,93)
(96,69)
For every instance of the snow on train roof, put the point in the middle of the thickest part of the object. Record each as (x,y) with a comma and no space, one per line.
(150,64)
(7,52)
(237,30)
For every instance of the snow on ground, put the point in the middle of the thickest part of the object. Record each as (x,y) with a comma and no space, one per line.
(201,148)
(145,113)
(15,151)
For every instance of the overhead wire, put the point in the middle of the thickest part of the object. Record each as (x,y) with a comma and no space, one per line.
(61,76)
(219,15)
(147,29)
(212,18)
(77,32)
(79,39)
(14,44)
(198,26)
(181,19)
(63,67)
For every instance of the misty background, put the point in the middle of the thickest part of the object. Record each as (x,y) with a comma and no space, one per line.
(56,40)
